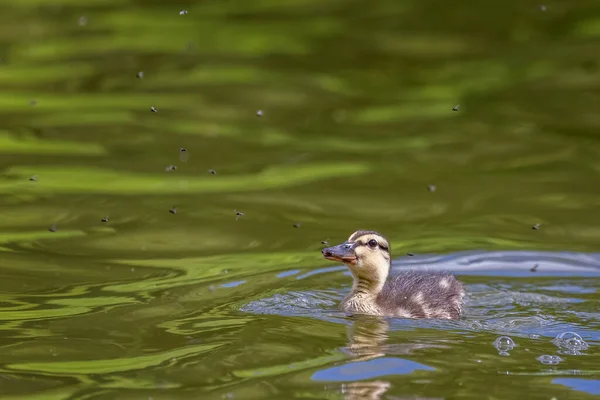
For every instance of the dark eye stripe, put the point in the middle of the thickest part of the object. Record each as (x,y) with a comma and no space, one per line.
(381,246)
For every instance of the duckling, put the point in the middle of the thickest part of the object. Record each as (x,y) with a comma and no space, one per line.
(412,294)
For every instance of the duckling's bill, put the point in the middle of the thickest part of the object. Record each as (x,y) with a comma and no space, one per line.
(342,252)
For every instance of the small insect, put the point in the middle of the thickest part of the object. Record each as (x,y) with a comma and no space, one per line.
(534,268)
(238,214)
(105,219)
(259,113)
(173,210)
(456,107)
(52,228)
(33,178)
(83,21)
(324,242)
(153,109)
(171,168)
(212,171)
(183,12)
(410,254)
(140,75)
(297,224)
(543,7)
(183,154)
(431,188)
(536,227)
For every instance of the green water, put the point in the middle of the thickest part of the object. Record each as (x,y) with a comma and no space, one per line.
(357,122)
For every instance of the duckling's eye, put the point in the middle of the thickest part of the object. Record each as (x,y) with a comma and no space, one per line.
(373,243)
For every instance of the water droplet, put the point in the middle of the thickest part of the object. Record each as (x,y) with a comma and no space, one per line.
(504,344)
(548,359)
(570,343)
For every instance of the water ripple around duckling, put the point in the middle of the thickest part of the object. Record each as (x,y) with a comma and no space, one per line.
(543,320)
(511,299)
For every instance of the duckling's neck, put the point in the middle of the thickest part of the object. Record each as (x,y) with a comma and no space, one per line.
(368,280)
(361,298)
(366,287)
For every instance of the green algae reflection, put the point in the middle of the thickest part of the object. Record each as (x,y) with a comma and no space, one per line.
(70,368)
(58,179)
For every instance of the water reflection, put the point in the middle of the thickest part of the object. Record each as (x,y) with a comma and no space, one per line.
(336,114)
(370,353)
(367,337)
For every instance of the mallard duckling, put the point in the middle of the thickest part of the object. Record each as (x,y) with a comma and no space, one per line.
(412,294)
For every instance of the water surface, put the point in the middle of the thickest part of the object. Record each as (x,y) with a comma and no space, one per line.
(204,284)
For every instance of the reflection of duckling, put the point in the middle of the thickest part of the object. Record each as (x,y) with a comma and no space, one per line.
(367,337)
(412,294)
(365,390)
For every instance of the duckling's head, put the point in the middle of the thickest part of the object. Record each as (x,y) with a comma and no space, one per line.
(365,253)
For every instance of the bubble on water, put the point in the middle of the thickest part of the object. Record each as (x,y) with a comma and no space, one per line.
(504,344)
(548,359)
(570,343)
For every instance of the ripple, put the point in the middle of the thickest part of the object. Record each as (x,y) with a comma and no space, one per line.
(499,306)
(509,263)
(315,304)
